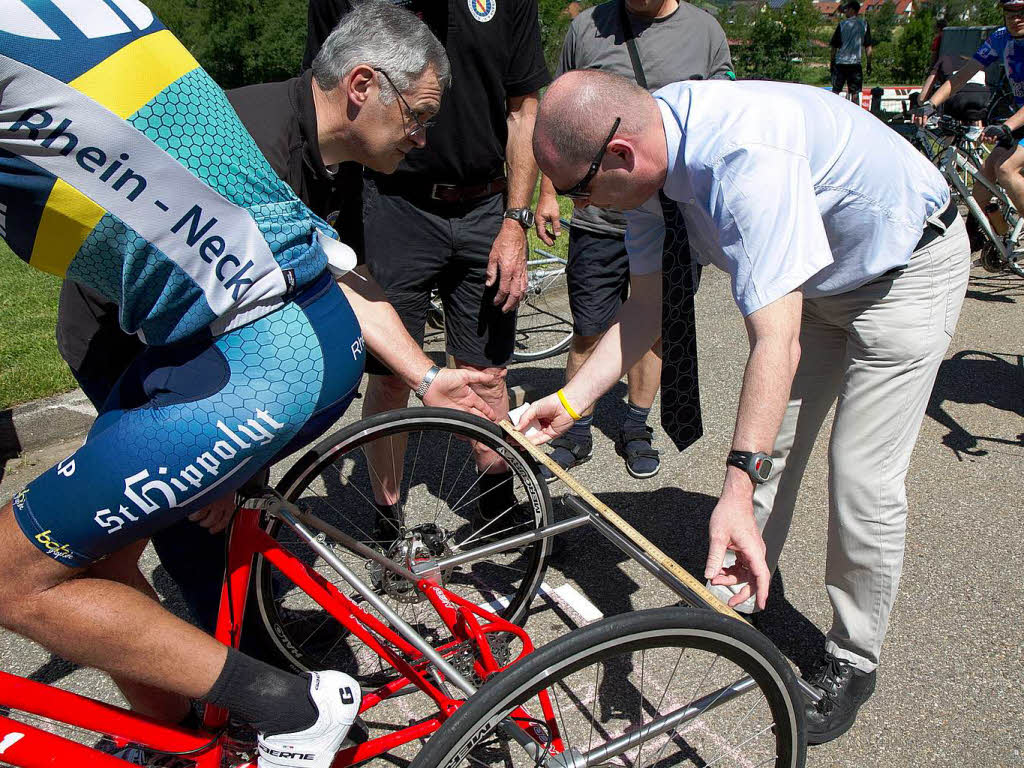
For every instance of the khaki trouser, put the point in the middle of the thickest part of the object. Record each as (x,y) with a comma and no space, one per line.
(877,349)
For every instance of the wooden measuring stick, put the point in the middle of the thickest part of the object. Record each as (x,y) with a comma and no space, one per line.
(625,528)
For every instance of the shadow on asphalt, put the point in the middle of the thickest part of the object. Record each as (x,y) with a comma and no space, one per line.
(973,377)
(677,521)
(999,289)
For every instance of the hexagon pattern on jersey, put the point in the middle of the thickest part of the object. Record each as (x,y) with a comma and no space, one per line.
(154,294)
(193,121)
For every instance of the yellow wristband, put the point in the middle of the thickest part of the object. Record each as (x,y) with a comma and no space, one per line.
(568,408)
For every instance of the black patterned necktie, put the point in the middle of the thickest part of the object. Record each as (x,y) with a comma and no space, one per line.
(680,394)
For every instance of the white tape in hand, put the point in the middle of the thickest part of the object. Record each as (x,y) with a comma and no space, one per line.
(516,414)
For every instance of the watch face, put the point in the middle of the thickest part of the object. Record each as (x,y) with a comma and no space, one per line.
(763,467)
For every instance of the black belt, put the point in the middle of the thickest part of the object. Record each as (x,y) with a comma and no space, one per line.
(441,193)
(931,231)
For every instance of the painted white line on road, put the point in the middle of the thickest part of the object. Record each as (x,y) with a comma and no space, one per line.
(575,601)
(566,595)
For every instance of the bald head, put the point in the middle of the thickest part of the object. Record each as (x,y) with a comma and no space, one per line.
(577,112)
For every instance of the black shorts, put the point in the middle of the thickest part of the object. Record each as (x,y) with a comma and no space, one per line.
(598,278)
(851,75)
(411,250)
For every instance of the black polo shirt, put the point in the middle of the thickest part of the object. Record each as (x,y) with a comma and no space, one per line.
(495,51)
(282,120)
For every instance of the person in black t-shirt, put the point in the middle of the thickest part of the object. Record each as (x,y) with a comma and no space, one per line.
(455,214)
(303,129)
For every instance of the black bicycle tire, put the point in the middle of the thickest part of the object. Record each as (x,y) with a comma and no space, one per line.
(313,461)
(707,629)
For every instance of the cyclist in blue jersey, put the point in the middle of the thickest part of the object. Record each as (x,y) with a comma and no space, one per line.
(123,165)
(1005,163)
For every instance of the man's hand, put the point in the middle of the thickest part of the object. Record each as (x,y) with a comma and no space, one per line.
(733,527)
(868,71)
(920,115)
(452,388)
(1001,134)
(215,517)
(549,219)
(507,266)
(549,417)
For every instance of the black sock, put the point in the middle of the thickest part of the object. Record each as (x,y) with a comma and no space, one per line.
(580,431)
(496,494)
(636,417)
(270,700)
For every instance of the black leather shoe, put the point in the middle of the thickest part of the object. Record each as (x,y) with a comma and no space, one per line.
(844,688)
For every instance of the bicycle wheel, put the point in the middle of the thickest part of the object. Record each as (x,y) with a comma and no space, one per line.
(439,489)
(544,322)
(641,688)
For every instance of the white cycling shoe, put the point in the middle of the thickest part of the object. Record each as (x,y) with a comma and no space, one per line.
(337,697)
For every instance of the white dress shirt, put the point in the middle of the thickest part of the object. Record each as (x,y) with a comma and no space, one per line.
(786,186)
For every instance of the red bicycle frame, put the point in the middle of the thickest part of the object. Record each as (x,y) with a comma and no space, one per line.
(27,746)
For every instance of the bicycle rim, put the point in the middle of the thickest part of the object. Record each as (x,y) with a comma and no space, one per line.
(544,322)
(439,493)
(639,689)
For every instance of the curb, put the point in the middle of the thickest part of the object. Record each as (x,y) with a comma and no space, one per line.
(39,423)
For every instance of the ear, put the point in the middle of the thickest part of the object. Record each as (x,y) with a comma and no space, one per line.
(620,154)
(359,83)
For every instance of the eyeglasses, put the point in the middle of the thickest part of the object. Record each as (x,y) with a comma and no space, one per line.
(419,126)
(579,191)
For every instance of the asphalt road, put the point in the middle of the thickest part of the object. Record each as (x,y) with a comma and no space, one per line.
(951,684)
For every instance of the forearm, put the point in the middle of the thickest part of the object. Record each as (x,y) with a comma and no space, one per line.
(547,189)
(521,166)
(926,89)
(383,331)
(767,380)
(636,328)
(1016,120)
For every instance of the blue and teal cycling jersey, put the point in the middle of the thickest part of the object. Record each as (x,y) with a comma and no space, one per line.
(1001,45)
(124,167)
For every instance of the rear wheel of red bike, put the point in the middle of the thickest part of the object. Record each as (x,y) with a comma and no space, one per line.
(421,457)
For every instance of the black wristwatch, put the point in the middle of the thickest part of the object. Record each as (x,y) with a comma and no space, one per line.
(524,216)
(757,465)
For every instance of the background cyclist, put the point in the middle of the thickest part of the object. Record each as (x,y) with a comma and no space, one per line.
(1004,164)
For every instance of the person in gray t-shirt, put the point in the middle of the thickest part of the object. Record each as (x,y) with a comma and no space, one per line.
(851,38)
(675,41)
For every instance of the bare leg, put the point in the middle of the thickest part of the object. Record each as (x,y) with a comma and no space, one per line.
(101,623)
(495,395)
(386,456)
(1008,175)
(581,348)
(123,568)
(644,378)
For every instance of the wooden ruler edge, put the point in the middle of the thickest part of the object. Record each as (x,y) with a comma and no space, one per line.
(614,519)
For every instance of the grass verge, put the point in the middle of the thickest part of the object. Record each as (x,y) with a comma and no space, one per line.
(30,366)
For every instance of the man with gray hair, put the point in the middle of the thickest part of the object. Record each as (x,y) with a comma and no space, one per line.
(316,131)
(849,264)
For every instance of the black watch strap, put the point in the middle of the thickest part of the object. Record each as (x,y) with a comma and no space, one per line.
(524,216)
(757,465)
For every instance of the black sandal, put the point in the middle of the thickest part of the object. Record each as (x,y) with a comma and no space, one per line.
(579,453)
(627,448)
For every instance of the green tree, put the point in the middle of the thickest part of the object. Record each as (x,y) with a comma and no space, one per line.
(240,42)
(882,21)
(767,55)
(911,53)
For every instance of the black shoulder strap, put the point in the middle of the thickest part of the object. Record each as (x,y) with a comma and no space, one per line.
(634,54)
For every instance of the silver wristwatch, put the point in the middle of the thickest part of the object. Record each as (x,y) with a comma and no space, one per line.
(428,379)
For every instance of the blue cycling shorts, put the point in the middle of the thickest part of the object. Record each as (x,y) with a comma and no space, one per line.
(188,423)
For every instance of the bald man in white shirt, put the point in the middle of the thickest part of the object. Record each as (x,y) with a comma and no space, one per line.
(849,264)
